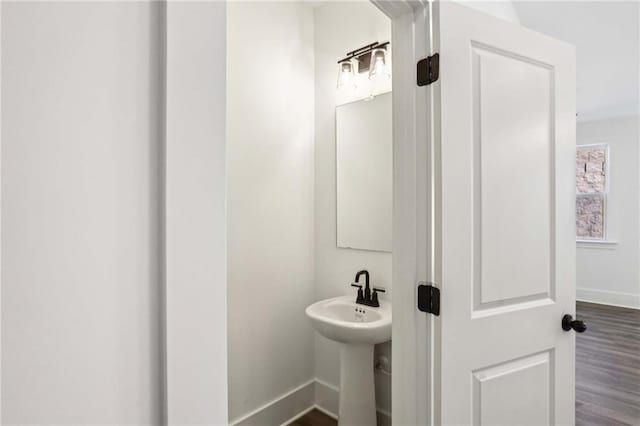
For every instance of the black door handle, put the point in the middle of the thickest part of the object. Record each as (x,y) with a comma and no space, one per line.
(568,323)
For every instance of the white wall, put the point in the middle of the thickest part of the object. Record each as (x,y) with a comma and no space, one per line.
(270,201)
(81,148)
(341,27)
(611,273)
(196,285)
(607,106)
(604,89)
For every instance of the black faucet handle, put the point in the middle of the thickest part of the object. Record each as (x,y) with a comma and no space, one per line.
(374,297)
(360,296)
(379,290)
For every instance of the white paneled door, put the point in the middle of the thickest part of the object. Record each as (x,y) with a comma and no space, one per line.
(505,245)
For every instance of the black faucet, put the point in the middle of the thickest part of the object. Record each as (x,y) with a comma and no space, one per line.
(367,297)
(367,289)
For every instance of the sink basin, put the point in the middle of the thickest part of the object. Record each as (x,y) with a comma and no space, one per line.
(343,320)
(357,328)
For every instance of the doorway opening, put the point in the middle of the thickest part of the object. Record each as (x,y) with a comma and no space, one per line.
(309,180)
(607,202)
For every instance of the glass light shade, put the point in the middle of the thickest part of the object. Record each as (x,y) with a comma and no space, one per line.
(378,68)
(346,75)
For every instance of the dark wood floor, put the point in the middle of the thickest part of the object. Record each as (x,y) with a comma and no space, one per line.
(314,418)
(607,370)
(608,366)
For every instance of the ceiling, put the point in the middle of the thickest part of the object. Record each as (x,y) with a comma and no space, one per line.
(607,42)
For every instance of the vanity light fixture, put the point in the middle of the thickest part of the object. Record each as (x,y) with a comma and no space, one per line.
(372,58)
(378,68)
(346,76)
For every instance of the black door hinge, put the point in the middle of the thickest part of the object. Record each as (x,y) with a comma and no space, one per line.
(428,70)
(429,299)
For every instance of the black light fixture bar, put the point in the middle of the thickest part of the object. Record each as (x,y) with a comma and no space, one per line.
(362,52)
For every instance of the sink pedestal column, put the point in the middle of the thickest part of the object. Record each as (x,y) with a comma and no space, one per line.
(357,391)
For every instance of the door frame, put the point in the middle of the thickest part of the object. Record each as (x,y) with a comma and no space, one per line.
(195,281)
(414,231)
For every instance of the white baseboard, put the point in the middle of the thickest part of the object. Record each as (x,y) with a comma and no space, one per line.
(328,413)
(328,400)
(283,409)
(297,402)
(297,416)
(613,298)
(383,418)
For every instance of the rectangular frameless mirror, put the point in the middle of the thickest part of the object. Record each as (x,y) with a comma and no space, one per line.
(364,174)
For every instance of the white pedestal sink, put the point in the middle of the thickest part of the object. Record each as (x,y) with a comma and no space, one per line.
(357,328)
